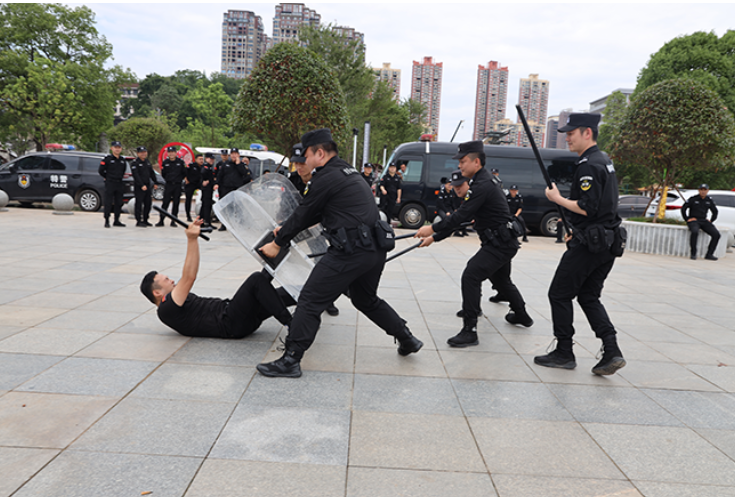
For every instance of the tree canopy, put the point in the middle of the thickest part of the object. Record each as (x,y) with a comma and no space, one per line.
(291,91)
(148,132)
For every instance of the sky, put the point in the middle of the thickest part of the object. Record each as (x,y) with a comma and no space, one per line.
(585,50)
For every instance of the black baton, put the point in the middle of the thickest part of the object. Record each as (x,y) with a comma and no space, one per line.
(184,224)
(544,172)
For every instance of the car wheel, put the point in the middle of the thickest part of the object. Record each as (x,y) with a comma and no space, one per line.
(548,224)
(412,216)
(89,200)
(157,192)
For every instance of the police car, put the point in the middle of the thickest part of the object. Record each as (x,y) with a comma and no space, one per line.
(38,177)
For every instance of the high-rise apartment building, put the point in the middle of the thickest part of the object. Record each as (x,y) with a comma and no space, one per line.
(552,126)
(392,76)
(426,87)
(289,18)
(243,43)
(491,97)
(533,97)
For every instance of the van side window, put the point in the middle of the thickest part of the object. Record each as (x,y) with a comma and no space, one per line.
(441,166)
(562,170)
(68,163)
(413,171)
(91,164)
(31,163)
(514,171)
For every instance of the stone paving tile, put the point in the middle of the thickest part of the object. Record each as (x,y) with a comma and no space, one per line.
(670,454)
(157,427)
(89,320)
(113,303)
(721,376)
(723,440)
(91,377)
(313,389)
(86,287)
(387,361)
(511,485)
(486,398)
(147,323)
(239,478)
(377,482)
(654,375)
(420,442)
(52,341)
(612,405)
(513,446)
(392,394)
(195,383)
(17,368)
(36,285)
(663,490)
(17,465)
(11,315)
(463,363)
(320,357)
(135,347)
(48,420)
(581,375)
(290,435)
(14,296)
(336,334)
(704,410)
(55,299)
(7,331)
(88,474)
(221,352)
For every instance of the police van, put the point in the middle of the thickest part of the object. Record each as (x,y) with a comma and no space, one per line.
(425,163)
(38,177)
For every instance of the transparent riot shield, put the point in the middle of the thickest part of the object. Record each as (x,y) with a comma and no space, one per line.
(253,211)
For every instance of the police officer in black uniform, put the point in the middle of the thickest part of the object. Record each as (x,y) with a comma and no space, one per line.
(208,180)
(592,211)
(173,171)
(144,177)
(233,174)
(484,202)
(367,174)
(337,197)
(112,169)
(391,188)
(515,205)
(192,182)
(296,161)
(694,212)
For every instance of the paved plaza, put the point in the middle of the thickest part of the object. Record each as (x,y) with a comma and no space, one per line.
(98,398)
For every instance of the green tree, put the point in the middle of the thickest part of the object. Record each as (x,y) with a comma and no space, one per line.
(231,86)
(61,44)
(701,56)
(615,108)
(291,91)
(679,129)
(213,105)
(166,100)
(148,132)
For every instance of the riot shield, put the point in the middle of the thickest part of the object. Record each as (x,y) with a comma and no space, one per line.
(253,211)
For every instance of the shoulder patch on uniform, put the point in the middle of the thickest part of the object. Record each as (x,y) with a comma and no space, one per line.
(467,196)
(582,160)
(610,167)
(585,182)
(349,170)
(306,189)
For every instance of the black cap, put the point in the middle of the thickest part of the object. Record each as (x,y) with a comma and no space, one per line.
(298,154)
(392,164)
(468,147)
(140,149)
(209,155)
(576,120)
(457,178)
(115,143)
(171,149)
(234,150)
(703,186)
(443,180)
(368,165)
(514,187)
(494,171)
(314,137)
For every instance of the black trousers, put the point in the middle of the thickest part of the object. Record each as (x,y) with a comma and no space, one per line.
(388,204)
(580,274)
(189,194)
(113,198)
(142,203)
(171,194)
(523,225)
(708,228)
(255,301)
(493,263)
(206,211)
(333,274)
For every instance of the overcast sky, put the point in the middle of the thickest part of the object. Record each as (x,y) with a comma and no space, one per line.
(585,50)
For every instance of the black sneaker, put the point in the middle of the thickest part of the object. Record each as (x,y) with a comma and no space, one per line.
(610,362)
(408,344)
(117,223)
(557,359)
(173,224)
(147,224)
(222,228)
(710,257)
(285,366)
(460,314)
(332,310)
(107,223)
(693,257)
(516,318)
(159,224)
(141,224)
(465,338)
(497,298)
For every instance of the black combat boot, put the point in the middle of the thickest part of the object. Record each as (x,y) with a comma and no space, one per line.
(519,318)
(332,310)
(288,365)
(561,357)
(467,336)
(407,343)
(460,313)
(497,298)
(117,223)
(612,359)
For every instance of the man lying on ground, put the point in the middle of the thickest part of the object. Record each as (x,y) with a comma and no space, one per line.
(194,316)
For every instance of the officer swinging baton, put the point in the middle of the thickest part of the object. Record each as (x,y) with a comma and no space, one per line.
(544,172)
(184,224)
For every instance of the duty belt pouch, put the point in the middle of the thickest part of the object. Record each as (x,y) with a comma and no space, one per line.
(364,237)
(338,239)
(515,228)
(384,235)
(619,239)
(491,237)
(597,238)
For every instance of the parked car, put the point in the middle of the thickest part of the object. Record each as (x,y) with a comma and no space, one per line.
(725,201)
(632,205)
(427,162)
(38,177)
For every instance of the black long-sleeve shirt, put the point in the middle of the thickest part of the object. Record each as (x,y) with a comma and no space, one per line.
(337,197)
(143,173)
(173,170)
(193,174)
(112,168)
(595,188)
(698,207)
(233,175)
